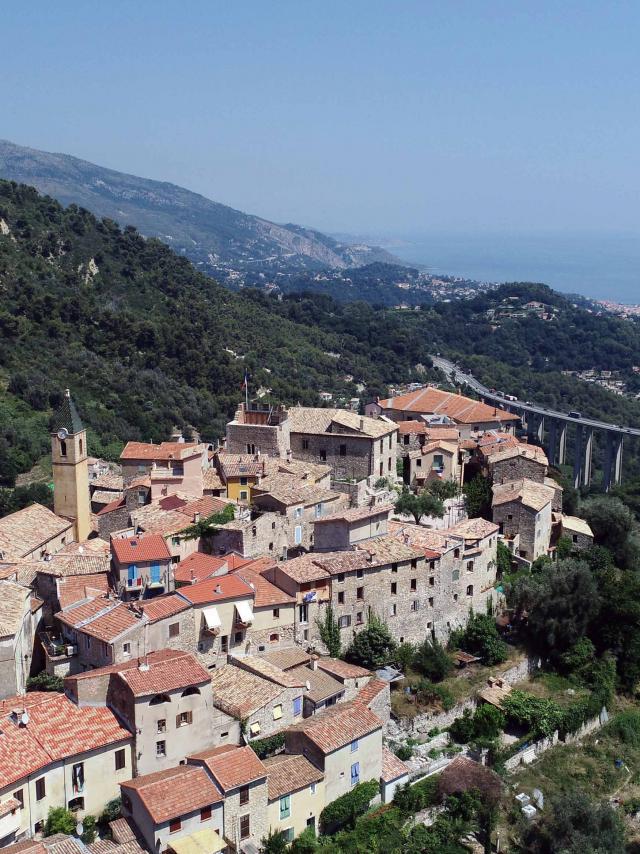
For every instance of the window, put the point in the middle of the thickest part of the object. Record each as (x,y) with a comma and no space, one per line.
(469,566)
(312,788)
(406,439)
(254,531)
(415,605)
(277,712)
(161,748)
(414,584)
(255,729)
(432,581)
(205,813)
(243,495)
(355,773)
(155,573)
(190,691)
(76,804)
(298,513)
(455,597)
(319,509)
(274,638)
(470,590)
(360,593)
(276,613)
(359,573)
(438,461)
(343,450)
(162,725)
(341,597)
(394,588)
(394,567)
(354,745)
(393,610)
(419,463)
(237,638)
(174,825)
(285,806)
(243,481)
(158,699)
(344,622)
(575,538)
(245,827)
(414,563)
(126,649)
(323,455)
(381,468)
(297,536)
(41,789)
(63,448)
(244,795)
(132,574)
(456,552)
(509,516)
(77,777)
(305,444)
(390,438)
(455,575)
(297,706)
(341,577)
(432,564)
(19,796)
(184,719)
(270,547)
(359,618)
(120,759)
(431,601)
(224,643)
(303,613)
(174,630)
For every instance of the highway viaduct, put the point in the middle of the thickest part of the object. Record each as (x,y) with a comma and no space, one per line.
(549,427)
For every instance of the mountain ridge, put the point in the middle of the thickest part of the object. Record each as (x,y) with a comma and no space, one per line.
(217,238)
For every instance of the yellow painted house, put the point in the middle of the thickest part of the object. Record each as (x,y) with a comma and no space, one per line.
(239,474)
(296,794)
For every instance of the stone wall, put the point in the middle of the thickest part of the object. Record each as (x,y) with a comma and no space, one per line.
(517,468)
(272,441)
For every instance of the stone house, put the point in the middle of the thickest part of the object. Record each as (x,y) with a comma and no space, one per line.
(344,742)
(17,632)
(437,460)
(102,631)
(179,803)
(351,676)
(394,774)
(296,794)
(413,435)
(54,754)
(577,531)
(69,577)
(260,429)
(344,529)
(254,534)
(33,533)
(242,778)
(523,511)
(172,466)
(309,584)
(198,567)
(301,504)
(267,703)
(166,699)
(478,556)
(469,416)
(141,566)
(273,611)
(240,473)
(322,691)
(518,462)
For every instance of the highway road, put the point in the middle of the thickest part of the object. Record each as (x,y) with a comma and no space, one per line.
(520,406)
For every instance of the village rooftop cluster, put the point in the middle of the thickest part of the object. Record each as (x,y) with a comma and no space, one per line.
(180,596)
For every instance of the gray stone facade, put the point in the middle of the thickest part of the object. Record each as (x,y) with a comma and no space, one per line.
(516,468)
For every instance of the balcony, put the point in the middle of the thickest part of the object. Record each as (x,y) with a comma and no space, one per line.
(56,647)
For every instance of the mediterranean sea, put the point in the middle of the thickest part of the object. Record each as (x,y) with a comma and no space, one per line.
(596,266)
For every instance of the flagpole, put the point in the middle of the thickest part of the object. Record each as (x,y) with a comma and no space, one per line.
(246,391)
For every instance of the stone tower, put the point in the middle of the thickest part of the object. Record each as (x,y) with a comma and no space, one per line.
(70,471)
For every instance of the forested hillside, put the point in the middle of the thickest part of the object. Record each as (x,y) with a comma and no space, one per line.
(142,338)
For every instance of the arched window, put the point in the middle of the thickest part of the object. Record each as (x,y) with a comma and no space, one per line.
(159,699)
(80,446)
(63,448)
(190,690)
(470,590)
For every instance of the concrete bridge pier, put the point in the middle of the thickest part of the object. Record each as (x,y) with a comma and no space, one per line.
(612,461)
(556,442)
(582,459)
(535,426)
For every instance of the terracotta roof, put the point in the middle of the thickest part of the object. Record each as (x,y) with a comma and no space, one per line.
(231,766)
(159,672)
(26,846)
(239,465)
(356,514)
(74,588)
(529,452)
(140,548)
(267,595)
(303,569)
(527,492)
(322,684)
(342,669)
(240,692)
(235,561)
(206,506)
(316,420)
(174,792)
(392,767)
(116,504)
(153,519)
(64,564)
(289,490)
(434,543)
(104,497)
(113,482)
(160,453)
(288,773)
(431,431)
(463,774)
(57,729)
(219,589)
(161,607)
(13,598)
(339,725)
(311,472)
(388,549)
(474,529)
(287,658)
(259,565)
(267,670)
(211,480)
(101,618)
(433,401)
(198,567)
(371,690)
(577,525)
(26,530)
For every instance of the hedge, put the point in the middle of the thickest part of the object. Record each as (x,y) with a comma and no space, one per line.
(264,747)
(345,809)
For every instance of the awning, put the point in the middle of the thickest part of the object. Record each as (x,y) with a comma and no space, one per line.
(244,612)
(200,842)
(212,618)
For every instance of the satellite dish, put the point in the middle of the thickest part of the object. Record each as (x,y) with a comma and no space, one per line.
(79,828)
(24,718)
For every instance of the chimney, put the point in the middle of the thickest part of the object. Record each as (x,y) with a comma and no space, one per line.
(196,517)
(314,662)
(289,455)
(362,424)
(218,589)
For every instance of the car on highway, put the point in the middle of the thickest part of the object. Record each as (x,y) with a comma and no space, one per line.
(574,414)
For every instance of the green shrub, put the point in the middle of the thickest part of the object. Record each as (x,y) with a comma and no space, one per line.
(626,727)
(89,831)
(44,682)
(480,637)
(404,752)
(345,809)
(264,747)
(486,723)
(374,646)
(542,717)
(411,799)
(60,820)
(431,660)
(428,694)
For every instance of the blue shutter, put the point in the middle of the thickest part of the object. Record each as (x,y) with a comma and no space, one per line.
(155,573)
(132,572)
(355,773)
(297,705)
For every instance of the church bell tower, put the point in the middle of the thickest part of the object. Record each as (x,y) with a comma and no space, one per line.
(70,471)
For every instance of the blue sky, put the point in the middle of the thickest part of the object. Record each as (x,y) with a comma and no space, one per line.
(368,117)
